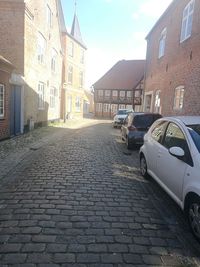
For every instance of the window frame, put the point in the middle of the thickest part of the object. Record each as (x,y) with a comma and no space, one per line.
(78,104)
(71,49)
(180,98)
(187,21)
(70,74)
(162,43)
(53,95)
(41,96)
(54,55)
(2,87)
(41,48)
(49,17)
(81,79)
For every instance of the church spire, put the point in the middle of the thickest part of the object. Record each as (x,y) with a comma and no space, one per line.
(75,30)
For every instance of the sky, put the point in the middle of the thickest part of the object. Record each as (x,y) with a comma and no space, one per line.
(113,30)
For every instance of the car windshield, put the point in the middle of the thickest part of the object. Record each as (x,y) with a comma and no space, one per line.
(194,131)
(122,112)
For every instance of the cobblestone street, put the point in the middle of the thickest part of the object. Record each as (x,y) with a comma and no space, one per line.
(74,197)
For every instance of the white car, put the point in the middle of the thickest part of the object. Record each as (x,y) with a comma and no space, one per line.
(171,155)
(120,117)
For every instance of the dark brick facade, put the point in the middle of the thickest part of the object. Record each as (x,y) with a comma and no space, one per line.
(180,65)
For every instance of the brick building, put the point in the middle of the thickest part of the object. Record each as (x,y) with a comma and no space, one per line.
(31,40)
(121,87)
(172,84)
(74,72)
(5,97)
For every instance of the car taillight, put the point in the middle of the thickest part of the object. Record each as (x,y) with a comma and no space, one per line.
(132,128)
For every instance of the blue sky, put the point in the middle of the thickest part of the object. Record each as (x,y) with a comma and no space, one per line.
(113,30)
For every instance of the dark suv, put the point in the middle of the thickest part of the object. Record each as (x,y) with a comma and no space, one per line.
(135,126)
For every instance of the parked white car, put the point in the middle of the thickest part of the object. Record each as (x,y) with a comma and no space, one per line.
(120,117)
(171,155)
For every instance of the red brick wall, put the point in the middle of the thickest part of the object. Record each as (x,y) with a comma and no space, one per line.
(5,122)
(181,63)
(12,32)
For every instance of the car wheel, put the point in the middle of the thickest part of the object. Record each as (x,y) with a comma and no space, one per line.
(193,213)
(143,166)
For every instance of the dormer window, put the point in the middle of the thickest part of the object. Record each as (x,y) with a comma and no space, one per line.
(186,29)
(162,43)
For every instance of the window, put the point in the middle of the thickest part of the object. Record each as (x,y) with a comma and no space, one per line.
(186,29)
(54,55)
(114,108)
(99,107)
(78,104)
(70,74)
(71,49)
(53,95)
(157,101)
(162,43)
(122,94)
(129,94)
(174,137)
(100,92)
(178,98)
(158,132)
(41,95)
(82,56)
(49,17)
(121,106)
(81,79)
(107,93)
(115,94)
(106,107)
(2,96)
(41,48)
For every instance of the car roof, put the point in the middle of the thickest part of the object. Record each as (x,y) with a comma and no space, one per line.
(187,120)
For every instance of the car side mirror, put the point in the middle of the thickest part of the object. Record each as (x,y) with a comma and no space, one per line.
(177,152)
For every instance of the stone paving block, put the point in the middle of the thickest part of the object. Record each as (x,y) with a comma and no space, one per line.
(88,258)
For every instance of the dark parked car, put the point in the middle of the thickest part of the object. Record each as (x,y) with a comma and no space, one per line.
(135,126)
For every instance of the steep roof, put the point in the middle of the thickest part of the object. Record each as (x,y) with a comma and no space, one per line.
(125,74)
(76,32)
(61,17)
(174,2)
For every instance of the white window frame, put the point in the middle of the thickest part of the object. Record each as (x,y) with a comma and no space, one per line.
(100,93)
(107,93)
(82,56)
(186,28)
(179,97)
(122,94)
(71,49)
(157,101)
(41,48)
(54,55)
(78,104)
(115,93)
(162,43)
(70,74)
(49,17)
(81,79)
(53,95)
(41,96)
(2,101)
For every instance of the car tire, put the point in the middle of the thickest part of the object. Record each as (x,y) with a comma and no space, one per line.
(193,215)
(143,166)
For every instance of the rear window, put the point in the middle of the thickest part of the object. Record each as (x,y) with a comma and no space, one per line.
(143,121)
(194,131)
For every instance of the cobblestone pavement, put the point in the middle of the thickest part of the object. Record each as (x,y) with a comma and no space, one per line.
(75,197)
